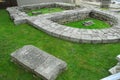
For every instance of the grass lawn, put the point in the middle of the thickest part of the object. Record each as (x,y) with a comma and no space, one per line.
(98,24)
(85,61)
(45,10)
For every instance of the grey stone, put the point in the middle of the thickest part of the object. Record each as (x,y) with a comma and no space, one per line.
(105,3)
(112,77)
(22,10)
(52,23)
(118,58)
(115,69)
(39,62)
(88,23)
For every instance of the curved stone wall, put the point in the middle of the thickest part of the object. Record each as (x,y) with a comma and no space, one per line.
(47,24)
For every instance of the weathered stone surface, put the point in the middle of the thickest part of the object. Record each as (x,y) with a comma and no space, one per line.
(20,12)
(53,26)
(115,69)
(118,58)
(88,23)
(52,23)
(39,62)
(105,3)
(112,77)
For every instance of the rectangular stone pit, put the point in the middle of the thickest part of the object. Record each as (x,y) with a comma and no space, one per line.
(19,14)
(77,15)
(39,62)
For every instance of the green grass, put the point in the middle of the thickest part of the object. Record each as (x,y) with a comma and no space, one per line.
(98,24)
(85,61)
(45,10)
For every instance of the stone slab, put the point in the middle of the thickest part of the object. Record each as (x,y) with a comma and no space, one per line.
(39,62)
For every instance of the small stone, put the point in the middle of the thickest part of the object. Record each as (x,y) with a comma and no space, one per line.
(88,23)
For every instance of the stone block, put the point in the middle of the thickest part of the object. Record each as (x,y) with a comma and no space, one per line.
(39,62)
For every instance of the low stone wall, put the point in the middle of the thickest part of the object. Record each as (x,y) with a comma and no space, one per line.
(104,17)
(47,23)
(19,15)
(51,24)
(71,17)
(47,5)
(26,2)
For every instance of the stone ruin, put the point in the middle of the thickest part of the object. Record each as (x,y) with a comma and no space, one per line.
(19,14)
(105,3)
(39,62)
(52,23)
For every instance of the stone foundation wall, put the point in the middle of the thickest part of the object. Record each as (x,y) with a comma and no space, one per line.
(76,16)
(19,15)
(104,17)
(26,2)
(47,5)
(71,17)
